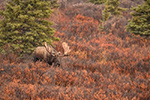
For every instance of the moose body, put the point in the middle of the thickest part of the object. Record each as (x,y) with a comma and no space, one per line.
(48,54)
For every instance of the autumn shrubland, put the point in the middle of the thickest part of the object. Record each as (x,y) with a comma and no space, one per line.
(108,63)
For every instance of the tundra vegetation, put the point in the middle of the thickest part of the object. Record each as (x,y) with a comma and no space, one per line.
(106,64)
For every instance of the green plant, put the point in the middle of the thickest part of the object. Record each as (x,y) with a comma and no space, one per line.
(24,25)
(140,22)
(112,9)
(97,1)
(105,13)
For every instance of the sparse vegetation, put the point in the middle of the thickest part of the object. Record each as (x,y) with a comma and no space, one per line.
(103,65)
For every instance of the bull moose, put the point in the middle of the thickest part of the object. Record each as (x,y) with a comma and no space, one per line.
(48,54)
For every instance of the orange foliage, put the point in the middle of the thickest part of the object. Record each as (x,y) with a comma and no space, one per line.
(100,66)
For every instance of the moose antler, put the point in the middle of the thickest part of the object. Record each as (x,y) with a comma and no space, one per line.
(66,48)
(53,52)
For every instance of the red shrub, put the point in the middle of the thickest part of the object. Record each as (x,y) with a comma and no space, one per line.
(85,9)
(102,65)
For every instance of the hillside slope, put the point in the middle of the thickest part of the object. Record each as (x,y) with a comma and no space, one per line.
(110,64)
